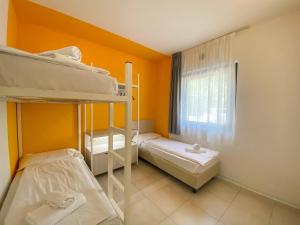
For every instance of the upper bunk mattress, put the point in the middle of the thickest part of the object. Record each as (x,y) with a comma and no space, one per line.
(19,69)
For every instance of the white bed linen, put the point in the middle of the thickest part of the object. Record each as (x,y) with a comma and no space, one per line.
(61,175)
(25,70)
(171,151)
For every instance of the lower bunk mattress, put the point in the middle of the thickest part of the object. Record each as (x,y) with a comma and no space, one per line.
(70,173)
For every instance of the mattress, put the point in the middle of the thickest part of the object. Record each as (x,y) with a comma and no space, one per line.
(185,164)
(23,196)
(21,69)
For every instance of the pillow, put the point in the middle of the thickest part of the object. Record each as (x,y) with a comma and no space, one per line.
(141,138)
(46,157)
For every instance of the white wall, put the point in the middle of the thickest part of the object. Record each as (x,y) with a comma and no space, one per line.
(266,155)
(4,154)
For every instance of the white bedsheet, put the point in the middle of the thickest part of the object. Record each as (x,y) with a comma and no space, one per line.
(174,152)
(25,70)
(61,175)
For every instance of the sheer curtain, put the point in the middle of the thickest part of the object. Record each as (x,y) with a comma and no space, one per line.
(208,93)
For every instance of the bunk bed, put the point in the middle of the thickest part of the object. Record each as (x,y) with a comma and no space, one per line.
(26,77)
(95,152)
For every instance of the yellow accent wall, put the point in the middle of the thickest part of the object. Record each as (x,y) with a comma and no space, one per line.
(37,14)
(163,96)
(50,126)
(47,126)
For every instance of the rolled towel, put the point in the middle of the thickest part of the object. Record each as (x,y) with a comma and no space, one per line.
(70,61)
(59,199)
(192,150)
(71,52)
(196,147)
(46,215)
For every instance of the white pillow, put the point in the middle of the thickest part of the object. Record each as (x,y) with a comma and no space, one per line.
(141,138)
(46,157)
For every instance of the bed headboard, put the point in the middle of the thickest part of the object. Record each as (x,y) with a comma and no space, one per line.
(145,126)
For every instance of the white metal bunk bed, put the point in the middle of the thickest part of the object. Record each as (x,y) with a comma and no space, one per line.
(91,133)
(32,95)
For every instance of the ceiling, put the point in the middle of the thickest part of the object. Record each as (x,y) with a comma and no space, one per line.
(168,26)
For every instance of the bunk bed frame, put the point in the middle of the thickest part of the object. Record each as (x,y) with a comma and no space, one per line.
(29,95)
(135,129)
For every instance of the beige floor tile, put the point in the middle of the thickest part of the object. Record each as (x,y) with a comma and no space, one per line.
(220,223)
(248,209)
(134,198)
(211,204)
(284,215)
(168,198)
(189,214)
(155,186)
(182,188)
(140,172)
(102,179)
(147,181)
(118,195)
(156,195)
(167,221)
(145,212)
(222,189)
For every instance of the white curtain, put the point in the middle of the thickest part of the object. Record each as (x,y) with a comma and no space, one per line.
(208,93)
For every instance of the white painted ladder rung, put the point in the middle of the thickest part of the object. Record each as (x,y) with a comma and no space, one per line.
(120,158)
(117,208)
(117,183)
(118,130)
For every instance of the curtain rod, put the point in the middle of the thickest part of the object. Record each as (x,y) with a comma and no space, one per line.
(231,32)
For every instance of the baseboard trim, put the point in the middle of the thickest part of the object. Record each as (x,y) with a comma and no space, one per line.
(230,180)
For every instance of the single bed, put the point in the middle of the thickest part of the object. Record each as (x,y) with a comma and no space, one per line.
(57,172)
(20,69)
(169,155)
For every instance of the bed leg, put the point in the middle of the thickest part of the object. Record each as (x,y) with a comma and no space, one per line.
(194,190)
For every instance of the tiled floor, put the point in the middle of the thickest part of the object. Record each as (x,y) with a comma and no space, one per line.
(159,199)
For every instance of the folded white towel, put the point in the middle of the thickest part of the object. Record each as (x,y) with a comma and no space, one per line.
(71,52)
(77,64)
(46,215)
(196,147)
(59,199)
(192,150)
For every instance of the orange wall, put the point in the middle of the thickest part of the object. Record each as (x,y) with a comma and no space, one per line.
(47,127)
(163,96)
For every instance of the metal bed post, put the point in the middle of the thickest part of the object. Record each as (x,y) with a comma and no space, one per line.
(79,126)
(84,129)
(138,116)
(128,133)
(92,137)
(110,148)
(19,129)
(123,160)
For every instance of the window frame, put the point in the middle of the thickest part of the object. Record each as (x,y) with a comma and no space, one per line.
(212,125)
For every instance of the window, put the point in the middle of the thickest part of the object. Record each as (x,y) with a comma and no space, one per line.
(208,82)
(206,97)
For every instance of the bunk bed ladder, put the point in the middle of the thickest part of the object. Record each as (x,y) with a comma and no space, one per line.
(125,160)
